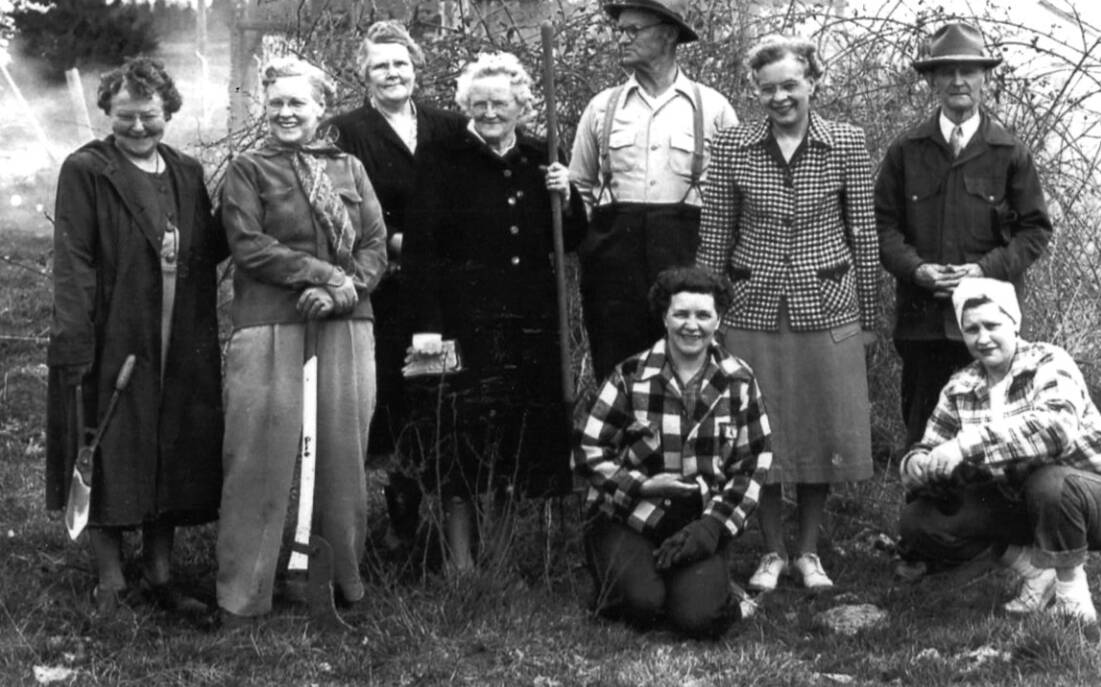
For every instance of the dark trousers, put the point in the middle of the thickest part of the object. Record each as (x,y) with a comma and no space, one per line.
(926,368)
(1059,513)
(625,249)
(694,598)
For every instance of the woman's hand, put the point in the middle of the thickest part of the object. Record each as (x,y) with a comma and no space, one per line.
(943,460)
(344,293)
(915,471)
(558,180)
(315,303)
(667,484)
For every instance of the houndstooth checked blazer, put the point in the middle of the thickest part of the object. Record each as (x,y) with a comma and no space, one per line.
(809,235)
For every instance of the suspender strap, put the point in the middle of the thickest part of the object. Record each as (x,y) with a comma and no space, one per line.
(605,144)
(697,134)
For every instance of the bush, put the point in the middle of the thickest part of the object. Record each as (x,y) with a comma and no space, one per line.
(72,33)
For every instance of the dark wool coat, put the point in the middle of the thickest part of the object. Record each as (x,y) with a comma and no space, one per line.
(480,269)
(161,455)
(365,134)
(985,207)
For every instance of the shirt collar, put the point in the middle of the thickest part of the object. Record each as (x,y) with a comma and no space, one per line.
(474,132)
(682,85)
(968,127)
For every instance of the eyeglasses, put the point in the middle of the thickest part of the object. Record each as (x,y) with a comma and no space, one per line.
(631,32)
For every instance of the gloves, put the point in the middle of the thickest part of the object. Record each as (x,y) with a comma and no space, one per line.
(695,541)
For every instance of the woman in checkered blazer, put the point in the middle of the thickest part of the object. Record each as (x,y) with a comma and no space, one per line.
(788,217)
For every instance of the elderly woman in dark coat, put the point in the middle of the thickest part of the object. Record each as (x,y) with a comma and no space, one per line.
(308,243)
(135,250)
(384,134)
(481,263)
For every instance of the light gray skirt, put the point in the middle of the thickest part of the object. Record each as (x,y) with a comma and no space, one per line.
(815,387)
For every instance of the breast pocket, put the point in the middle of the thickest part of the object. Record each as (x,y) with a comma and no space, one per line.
(988,217)
(623,154)
(682,148)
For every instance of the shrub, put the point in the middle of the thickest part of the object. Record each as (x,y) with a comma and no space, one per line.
(72,33)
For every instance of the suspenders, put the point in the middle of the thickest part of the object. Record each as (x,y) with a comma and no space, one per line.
(606,134)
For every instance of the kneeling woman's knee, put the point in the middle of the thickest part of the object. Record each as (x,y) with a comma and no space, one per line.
(698,599)
(1044,487)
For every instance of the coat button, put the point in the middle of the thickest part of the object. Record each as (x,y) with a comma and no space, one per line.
(666,502)
(514,230)
(913,198)
(508,173)
(519,195)
(515,260)
(512,201)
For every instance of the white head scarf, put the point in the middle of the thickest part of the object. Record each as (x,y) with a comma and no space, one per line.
(1001,293)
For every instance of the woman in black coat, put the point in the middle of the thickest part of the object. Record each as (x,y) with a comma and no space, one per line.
(135,252)
(384,133)
(481,264)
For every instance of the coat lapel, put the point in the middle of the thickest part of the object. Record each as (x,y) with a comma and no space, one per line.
(119,178)
(186,200)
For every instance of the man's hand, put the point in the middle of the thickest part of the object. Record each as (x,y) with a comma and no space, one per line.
(694,542)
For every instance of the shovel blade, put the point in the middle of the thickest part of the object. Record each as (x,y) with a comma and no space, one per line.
(319,586)
(76,510)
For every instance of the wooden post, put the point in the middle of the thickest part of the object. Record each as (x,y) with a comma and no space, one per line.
(80,105)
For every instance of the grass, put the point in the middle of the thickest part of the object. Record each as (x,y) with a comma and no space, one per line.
(522,620)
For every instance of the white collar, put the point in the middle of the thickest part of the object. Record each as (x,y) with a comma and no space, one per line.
(471,129)
(968,127)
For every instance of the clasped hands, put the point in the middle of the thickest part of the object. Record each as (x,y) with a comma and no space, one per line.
(943,279)
(693,542)
(937,465)
(337,297)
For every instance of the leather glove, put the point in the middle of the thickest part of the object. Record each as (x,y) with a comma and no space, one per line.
(72,375)
(694,542)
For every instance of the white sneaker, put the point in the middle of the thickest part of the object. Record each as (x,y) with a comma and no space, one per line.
(1035,593)
(810,569)
(1073,600)
(768,572)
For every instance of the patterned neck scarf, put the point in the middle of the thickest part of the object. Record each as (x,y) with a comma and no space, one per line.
(308,162)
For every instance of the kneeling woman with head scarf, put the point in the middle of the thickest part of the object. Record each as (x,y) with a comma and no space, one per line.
(1010,461)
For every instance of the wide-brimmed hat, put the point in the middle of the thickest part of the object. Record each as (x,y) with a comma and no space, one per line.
(956,43)
(672,10)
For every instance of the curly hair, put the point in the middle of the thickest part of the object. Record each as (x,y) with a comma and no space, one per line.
(142,77)
(324,91)
(693,280)
(494,64)
(388,31)
(775,47)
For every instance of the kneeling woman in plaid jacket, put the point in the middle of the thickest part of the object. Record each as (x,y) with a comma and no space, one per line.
(675,450)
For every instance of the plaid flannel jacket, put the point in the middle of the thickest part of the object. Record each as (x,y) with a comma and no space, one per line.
(638,427)
(1048,418)
(808,236)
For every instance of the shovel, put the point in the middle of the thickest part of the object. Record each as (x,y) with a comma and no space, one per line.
(311,554)
(80,489)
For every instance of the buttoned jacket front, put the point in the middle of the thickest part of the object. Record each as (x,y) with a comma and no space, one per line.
(807,237)
(639,427)
(984,207)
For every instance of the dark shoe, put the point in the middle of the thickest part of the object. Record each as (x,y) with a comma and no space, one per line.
(231,622)
(106,602)
(169,597)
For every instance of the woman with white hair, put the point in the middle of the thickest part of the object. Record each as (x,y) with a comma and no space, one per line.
(1010,462)
(307,238)
(481,271)
(385,133)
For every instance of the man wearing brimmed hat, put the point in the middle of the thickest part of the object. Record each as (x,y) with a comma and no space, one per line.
(957,196)
(639,160)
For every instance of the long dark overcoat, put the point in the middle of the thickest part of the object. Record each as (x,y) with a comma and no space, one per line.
(365,134)
(161,455)
(480,268)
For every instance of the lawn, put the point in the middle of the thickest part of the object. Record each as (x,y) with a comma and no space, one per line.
(521,620)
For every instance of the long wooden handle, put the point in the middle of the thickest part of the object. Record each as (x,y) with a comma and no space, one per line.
(299,560)
(547,31)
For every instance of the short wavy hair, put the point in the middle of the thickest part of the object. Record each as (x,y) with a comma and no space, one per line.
(324,90)
(142,77)
(775,47)
(388,31)
(494,64)
(693,280)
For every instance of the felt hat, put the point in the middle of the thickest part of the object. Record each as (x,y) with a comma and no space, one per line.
(672,11)
(1000,293)
(956,43)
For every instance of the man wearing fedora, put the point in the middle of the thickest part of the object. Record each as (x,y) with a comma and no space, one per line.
(957,196)
(639,160)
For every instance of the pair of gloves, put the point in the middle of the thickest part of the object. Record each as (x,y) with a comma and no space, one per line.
(695,541)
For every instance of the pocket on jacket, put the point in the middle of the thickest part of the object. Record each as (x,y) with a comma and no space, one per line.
(987,215)
(837,290)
